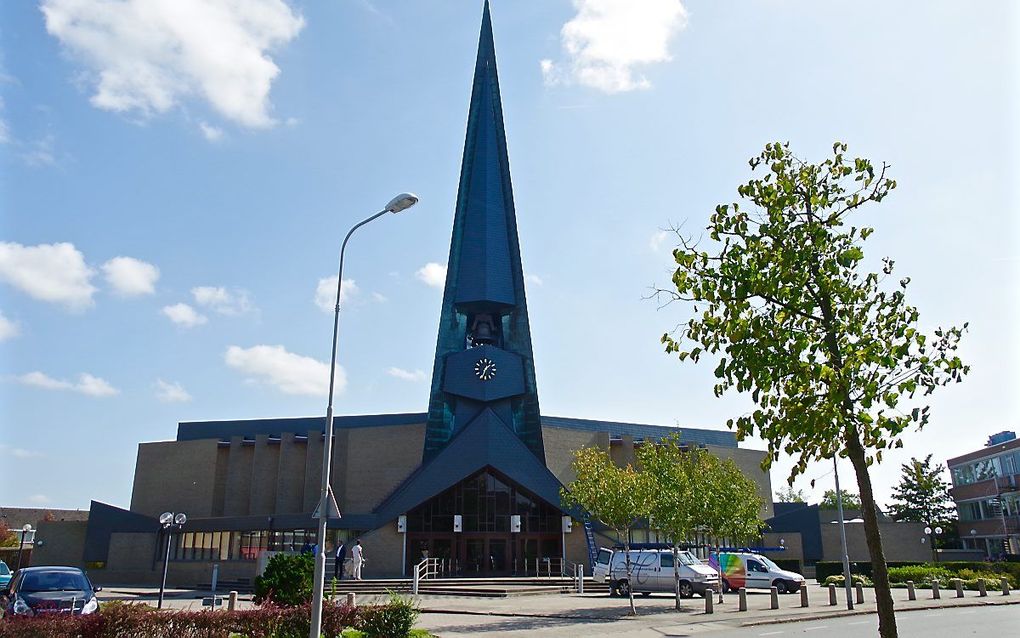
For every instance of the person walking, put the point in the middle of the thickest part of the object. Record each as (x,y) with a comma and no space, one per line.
(338,560)
(357,559)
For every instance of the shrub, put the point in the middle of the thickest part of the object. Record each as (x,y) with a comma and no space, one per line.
(855,579)
(287,580)
(392,620)
(919,574)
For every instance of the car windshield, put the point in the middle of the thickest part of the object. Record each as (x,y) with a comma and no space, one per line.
(687,558)
(4,569)
(53,581)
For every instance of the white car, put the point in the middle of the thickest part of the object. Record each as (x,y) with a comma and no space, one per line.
(652,571)
(754,571)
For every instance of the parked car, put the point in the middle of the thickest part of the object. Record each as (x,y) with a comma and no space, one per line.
(754,571)
(5,574)
(44,590)
(652,571)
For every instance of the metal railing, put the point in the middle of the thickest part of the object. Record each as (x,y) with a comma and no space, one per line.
(427,568)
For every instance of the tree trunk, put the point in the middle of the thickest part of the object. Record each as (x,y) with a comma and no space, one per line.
(879,570)
(676,573)
(630,580)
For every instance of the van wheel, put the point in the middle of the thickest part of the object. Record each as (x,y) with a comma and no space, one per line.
(623,588)
(781,587)
(726,586)
(686,590)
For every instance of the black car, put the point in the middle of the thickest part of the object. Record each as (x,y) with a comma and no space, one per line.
(50,590)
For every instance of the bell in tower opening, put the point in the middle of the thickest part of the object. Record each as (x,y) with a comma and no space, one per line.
(485,330)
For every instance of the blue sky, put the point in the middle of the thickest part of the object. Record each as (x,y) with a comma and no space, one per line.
(175,179)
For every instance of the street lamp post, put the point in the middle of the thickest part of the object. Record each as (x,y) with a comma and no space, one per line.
(399,203)
(931,533)
(21,547)
(169,520)
(842,538)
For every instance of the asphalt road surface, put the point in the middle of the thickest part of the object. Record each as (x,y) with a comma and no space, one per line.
(1001,621)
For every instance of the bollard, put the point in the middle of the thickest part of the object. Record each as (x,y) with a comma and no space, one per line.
(352,599)
(832,594)
(774,595)
(860,594)
(982,587)
(959,587)
(935,593)
(742,602)
(911,594)
(1005,586)
(803,596)
(232,601)
(709,599)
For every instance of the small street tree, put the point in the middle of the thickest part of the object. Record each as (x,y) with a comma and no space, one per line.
(614,496)
(7,537)
(829,501)
(922,496)
(790,495)
(829,353)
(672,476)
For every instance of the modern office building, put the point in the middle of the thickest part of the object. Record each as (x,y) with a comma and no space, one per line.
(475,479)
(986,489)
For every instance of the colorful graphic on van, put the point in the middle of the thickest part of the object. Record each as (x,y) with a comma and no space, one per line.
(731,567)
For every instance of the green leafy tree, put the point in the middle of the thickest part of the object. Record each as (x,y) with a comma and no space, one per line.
(287,580)
(7,537)
(851,501)
(922,496)
(830,354)
(673,507)
(615,496)
(790,495)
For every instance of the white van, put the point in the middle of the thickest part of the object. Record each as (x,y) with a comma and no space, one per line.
(652,571)
(754,571)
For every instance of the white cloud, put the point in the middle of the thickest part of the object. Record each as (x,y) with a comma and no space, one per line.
(608,39)
(210,132)
(221,300)
(17,452)
(38,499)
(148,56)
(655,241)
(130,277)
(325,293)
(432,274)
(8,328)
(184,315)
(40,152)
(87,384)
(55,273)
(378,297)
(171,392)
(534,280)
(406,375)
(290,373)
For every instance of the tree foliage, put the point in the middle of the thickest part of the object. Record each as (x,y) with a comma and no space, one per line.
(790,495)
(851,501)
(7,537)
(922,495)
(615,496)
(287,580)
(783,302)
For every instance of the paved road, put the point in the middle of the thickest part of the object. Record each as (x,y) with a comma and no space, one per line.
(939,623)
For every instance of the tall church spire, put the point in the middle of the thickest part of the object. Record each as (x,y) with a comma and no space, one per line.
(484,367)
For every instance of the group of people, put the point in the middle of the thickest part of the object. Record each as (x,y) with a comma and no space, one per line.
(340,557)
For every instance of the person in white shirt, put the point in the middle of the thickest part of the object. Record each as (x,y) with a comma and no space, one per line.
(357,559)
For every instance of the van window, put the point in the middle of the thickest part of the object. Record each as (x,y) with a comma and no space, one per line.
(603,557)
(666,560)
(755,566)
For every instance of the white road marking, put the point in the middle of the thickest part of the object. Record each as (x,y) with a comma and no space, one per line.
(771,633)
(860,622)
(816,627)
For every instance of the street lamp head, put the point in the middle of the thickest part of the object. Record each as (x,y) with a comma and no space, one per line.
(166,518)
(938,530)
(401,202)
(927,530)
(27,527)
(181,519)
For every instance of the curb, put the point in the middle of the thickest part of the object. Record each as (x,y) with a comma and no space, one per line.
(865,612)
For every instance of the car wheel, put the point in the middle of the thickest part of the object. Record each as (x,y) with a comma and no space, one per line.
(726,586)
(686,590)
(781,587)
(623,588)
(613,592)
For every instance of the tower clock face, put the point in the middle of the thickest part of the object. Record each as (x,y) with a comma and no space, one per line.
(485,369)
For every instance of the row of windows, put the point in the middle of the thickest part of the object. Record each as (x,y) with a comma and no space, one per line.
(985,469)
(1006,505)
(224,546)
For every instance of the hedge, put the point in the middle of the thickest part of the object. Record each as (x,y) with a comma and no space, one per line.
(120,620)
(824,569)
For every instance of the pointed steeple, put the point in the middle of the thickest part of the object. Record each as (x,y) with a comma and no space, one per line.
(484,360)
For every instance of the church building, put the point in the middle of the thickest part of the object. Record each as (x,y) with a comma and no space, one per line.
(475,479)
